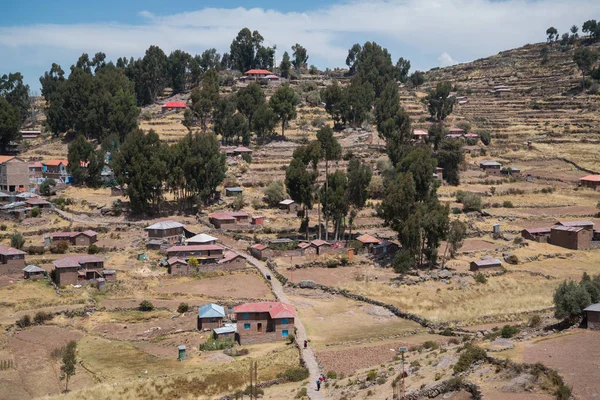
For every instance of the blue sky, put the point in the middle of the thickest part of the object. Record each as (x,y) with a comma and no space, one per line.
(430,33)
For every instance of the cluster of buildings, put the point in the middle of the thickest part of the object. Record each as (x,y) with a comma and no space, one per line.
(574,235)
(248,323)
(233,219)
(181,246)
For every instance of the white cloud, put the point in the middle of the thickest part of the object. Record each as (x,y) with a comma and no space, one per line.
(416,29)
(445,60)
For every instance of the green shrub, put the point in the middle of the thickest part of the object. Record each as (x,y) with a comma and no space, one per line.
(468,356)
(447,332)
(296,374)
(535,321)
(470,201)
(217,344)
(36,212)
(255,390)
(331,375)
(182,308)
(24,321)
(371,376)
(509,331)
(431,345)
(344,260)
(507,204)
(42,316)
(480,278)
(37,250)
(291,338)
(93,249)
(247,157)
(302,393)
(415,365)
(59,247)
(438,376)
(332,263)
(3,227)
(17,240)
(146,306)
(563,393)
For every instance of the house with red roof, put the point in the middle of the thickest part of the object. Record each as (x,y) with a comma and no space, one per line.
(204,253)
(55,169)
(258,73)
(12,261)
(264,322)
(75,269)
(590,181)
(368,241)
(321,246)
(540,235)
(173,106)
(84,238)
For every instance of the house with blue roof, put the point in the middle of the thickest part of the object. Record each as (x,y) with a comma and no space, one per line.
(210,316)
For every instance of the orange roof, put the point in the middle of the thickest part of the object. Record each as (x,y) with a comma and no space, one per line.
(258,72)
(4,159)
(56,163)
(174,104)
(592,178)
(368,239)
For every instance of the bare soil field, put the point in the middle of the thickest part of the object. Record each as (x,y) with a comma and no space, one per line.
(575,356)
(235,286)
(341,275)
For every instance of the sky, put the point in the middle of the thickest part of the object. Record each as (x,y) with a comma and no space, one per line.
(430,33)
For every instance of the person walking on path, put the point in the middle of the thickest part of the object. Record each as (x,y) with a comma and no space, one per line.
(305,344)
(318,384)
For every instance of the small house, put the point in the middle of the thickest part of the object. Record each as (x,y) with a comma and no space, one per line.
(258,220)
(225,332)
(536,234)
(258,250)
(232,260)
(590,181)
(420,135)
(439,174)
(456,131)
(201,238)
(264,322)
(233,191)
(55,169)
(14,174)
(511,171)
(368,241)
(171,231)
(37,202)
(73,269)
(178,266)
(486,265)
(205,253)
(240,217)
(571,237)
(289,205)
(221,219)
(257,73)
(173,106)
(491,167)
(84,238)
(210,316)
(36,169)
(320,246)
(31,134)
(306,249)
(385,249)
(12,261)
(157,244)
(109,275)
(33,272)
(592,314)
(241,150)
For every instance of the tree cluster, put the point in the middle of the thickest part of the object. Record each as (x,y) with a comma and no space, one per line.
(15,104)
(571,298)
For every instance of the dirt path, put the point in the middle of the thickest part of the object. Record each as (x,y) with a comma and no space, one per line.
(307,355)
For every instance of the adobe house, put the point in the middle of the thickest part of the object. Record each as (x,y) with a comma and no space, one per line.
(210,316)
(320,246)
(221,220)
(264,322)
(233,191)
(511,171)
(571,237)
(228,331)
(306,249)
(456,131)
(14,174)
(37,202)
(420,135)
(35,169)
(233,260)
(540,235)
(486,265)
(590,181)
(593,316)
(84,238)
(167,230)
(368,241)
(55,169)
(12,261)
(289,205)
(491,167)
(178,266)
(257,73)
(241,150)
(109,275)
(73,269)
(240,217)
(204,253)
(33,272)
(173,106)
(385,248)
(201,238)
(258,250)
(257,220)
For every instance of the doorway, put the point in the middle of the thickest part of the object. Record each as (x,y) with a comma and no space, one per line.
(259,326)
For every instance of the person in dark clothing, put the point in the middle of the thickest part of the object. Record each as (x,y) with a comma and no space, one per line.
(305,344)
(318,385)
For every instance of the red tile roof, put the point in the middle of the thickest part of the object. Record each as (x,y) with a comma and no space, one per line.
(275,309)
(76,261)
(419,132)
(258,72)
(89,233)
(259,246)
(199,247)
(221,216)
(319,243)
(591,178)
(36,200)
(230,256)
(303,245)
(176,260)
(174,104)
(4,159)
(368,239)
(56,163)
(537,230)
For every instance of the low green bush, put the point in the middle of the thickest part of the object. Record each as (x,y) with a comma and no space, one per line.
(146,306)
(296,374)
(468,356)
(217,344)
(183,307)
(509,331)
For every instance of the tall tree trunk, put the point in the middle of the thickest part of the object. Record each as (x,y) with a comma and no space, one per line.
(306,218)
(283,128)
(319,213)
(444,256)
(326,187)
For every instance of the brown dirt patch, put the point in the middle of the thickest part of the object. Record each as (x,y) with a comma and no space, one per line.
(147,329)
(575,356)
(237,286)
(341,275)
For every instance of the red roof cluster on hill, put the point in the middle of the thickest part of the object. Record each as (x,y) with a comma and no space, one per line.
(258,72)
(174,104)
(275,309)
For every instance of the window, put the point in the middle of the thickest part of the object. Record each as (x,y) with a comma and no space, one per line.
(246,315)
(284,321)
(284,333)
(247,326)
(213,320)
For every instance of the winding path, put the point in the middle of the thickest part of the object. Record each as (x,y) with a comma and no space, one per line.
(307,355)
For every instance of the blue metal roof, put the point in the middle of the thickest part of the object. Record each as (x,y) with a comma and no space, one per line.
(234,189)
(211,310)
